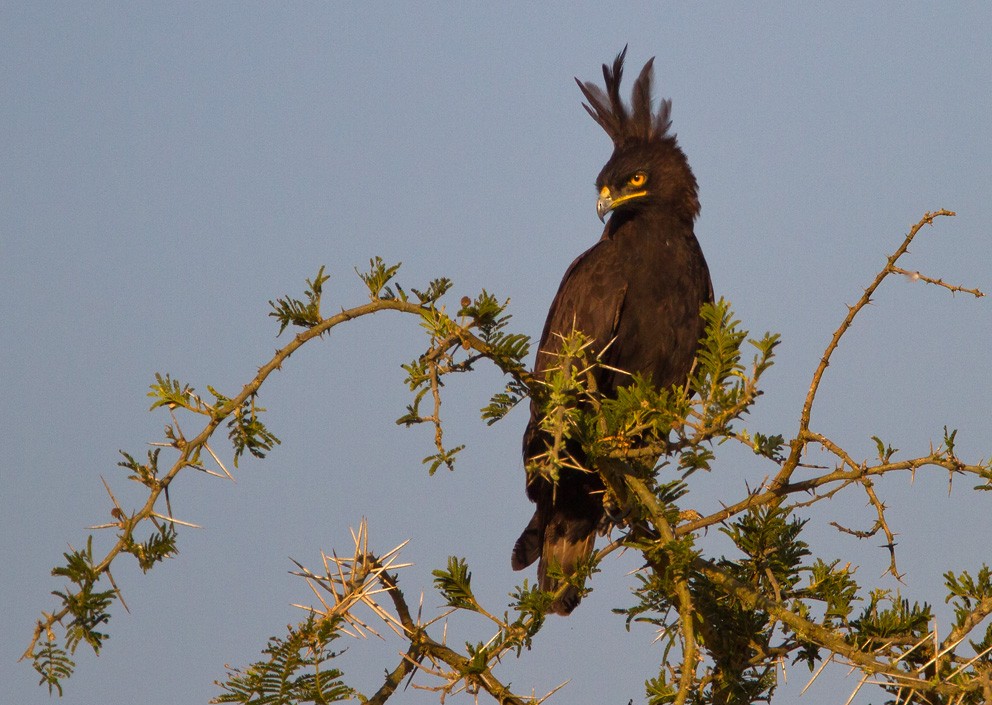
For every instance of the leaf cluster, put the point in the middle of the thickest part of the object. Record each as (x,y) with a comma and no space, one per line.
(86,605)
(294,670)
(247,432)
(641,422)
(725,622)
(454,347)
(304,313)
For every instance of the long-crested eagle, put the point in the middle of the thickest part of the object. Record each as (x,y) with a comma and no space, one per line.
(636,295)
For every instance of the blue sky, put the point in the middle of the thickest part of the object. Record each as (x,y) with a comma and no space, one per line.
(168,168)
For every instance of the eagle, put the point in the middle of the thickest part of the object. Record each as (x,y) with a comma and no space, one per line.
(635,296)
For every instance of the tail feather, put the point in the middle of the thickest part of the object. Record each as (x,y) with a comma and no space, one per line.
(527,549)
(566,552)
(562,533)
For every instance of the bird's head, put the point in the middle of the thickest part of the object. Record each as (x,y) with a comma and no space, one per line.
(647,167)
(615,194)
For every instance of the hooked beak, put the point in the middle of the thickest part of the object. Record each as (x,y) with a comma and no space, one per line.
(606,202)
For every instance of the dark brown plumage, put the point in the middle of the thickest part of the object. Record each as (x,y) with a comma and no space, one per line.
(636,294)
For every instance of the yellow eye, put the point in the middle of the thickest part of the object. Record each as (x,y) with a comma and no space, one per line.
(637,180)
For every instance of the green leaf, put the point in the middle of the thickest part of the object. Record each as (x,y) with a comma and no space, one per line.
(170,392)
(158,547)
(87,606)
(145,473)
(302,313)
(377,278)
(294,670)
(885,452)
(435,290)
(455,584)
(248,433)
(444,457)
(54,664)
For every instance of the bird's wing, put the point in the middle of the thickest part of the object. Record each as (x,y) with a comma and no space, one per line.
(590,299)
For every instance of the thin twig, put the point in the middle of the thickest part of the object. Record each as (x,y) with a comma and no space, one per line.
(916,276)
(804,419)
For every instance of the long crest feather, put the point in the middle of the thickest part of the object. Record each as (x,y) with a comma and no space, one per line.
(608,110)
(612,80)
(640,101)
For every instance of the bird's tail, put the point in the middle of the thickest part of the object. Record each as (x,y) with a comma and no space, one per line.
(527,549)
(562,541)
(566,553)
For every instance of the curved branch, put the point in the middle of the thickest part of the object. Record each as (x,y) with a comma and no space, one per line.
(189,449)
(804,420)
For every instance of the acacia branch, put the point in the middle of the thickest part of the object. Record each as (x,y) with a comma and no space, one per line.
(981,610)
(884,525)
(827,638)
(854,473)
(189,449)
(422,645)
(953,288)
(687,614)
(804,420)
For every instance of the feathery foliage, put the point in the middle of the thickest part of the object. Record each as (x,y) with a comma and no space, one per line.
(294,670)
(725,622)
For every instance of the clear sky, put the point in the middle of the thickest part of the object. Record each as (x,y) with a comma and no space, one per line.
(168,168)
